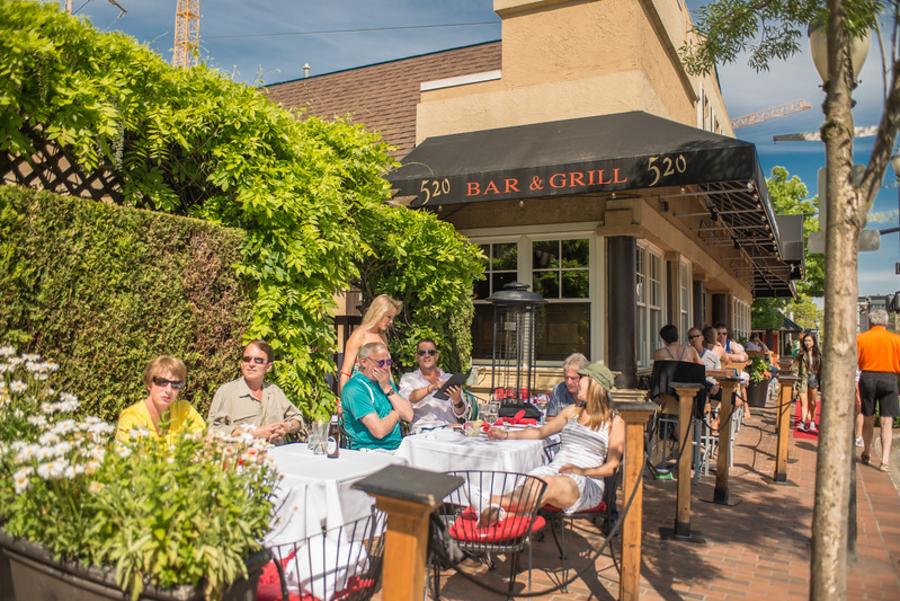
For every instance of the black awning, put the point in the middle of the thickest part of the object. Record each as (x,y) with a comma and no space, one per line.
(606,153)
(790,325)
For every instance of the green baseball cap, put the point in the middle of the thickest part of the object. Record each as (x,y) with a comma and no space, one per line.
(600,374)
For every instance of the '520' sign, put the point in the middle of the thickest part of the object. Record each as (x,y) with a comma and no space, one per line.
(661,167)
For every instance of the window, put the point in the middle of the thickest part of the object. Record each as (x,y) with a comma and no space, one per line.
(560,273)
(740,311)
(685,292)
(559,270)
(649,300)
(501,266)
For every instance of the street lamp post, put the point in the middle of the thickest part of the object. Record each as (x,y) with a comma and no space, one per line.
(895,163)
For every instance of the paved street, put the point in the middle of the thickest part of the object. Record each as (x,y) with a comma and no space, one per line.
(758,549)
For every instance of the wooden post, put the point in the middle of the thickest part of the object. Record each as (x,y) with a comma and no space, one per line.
(635,415)
(786,380)
(407,496)
(686,395)
(729,384)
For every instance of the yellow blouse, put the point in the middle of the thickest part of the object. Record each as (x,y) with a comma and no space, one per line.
(182,417)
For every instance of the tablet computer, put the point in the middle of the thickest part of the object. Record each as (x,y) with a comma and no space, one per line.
(455,380)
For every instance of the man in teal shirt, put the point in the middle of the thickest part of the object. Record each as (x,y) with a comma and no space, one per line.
(372,406)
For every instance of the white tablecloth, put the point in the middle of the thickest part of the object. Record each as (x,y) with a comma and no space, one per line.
(448,450)
(315,491)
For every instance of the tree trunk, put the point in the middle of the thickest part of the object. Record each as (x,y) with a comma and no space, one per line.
(829,551)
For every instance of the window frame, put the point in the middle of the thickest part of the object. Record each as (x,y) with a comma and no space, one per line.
(524,236)
(644,324)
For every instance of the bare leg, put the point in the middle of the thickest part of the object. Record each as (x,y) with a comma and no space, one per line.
(868,432)
(561,492)
(804,407)
(813,394)
(886,434)
(858,431)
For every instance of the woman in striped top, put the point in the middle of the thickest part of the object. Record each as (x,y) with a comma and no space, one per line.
(593,439)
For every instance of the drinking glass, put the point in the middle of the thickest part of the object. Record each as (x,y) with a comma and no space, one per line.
(318,436)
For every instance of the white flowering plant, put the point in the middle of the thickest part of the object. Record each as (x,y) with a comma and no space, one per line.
(186,512)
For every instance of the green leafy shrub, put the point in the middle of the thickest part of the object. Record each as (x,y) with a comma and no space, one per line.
(759,368)
(166,514)
(106,288)
(307,193)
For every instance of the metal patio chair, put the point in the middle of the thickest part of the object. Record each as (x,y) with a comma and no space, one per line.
(508,532)
(337,564)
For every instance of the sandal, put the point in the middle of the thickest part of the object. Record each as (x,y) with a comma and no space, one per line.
(491,515)
(864,459)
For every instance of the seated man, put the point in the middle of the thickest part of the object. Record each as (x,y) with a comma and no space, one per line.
(419,387)
(566,392)
(372,406)
(252,403)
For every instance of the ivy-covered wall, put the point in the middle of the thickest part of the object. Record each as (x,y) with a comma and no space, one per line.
(309,194)
(102,290)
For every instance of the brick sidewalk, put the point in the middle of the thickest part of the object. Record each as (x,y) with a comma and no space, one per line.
(758,549)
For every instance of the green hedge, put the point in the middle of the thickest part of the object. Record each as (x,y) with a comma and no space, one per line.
(102,289)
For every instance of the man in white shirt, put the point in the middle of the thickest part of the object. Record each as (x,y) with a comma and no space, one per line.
(419,387)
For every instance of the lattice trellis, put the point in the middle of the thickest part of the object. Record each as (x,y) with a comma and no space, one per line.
(52,168)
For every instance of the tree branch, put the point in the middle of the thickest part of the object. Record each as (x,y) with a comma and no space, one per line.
(884,143)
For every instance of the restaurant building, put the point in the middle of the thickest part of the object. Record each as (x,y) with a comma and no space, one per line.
(586,162)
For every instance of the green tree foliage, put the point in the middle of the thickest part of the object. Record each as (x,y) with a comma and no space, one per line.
(789,197)
(308,193)
(764,30)
(104,289)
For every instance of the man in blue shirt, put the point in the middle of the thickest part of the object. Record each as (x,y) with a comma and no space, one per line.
(372,406)
(565,393)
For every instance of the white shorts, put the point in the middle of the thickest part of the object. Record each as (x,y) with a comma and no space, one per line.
(590,490)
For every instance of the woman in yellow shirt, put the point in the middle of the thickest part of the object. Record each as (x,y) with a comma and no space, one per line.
(164,378)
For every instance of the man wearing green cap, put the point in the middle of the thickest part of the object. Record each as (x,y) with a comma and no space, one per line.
(592,442)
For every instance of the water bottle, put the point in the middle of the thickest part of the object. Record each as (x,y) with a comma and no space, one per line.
(334,438)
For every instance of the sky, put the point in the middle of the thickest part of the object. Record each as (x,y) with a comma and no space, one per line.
(269,42)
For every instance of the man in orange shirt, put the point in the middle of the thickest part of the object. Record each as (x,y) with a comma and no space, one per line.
(878,354)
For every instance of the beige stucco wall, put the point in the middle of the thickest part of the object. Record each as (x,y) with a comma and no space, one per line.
(569,59)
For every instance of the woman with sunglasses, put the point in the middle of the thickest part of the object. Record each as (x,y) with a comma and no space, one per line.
(160,414)
(374,327)
(419,386)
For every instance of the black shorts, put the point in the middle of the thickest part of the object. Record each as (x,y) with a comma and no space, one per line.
(879,387)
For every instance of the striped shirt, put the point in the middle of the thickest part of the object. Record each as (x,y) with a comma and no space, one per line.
(581,446)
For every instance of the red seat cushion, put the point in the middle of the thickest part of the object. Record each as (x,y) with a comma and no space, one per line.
(598,508)
(513,526)
(269,587)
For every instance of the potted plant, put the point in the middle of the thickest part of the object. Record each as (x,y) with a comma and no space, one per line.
(760,373)
(84,517)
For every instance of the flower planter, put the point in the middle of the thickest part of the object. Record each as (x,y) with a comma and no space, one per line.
(36,575)
(758,393)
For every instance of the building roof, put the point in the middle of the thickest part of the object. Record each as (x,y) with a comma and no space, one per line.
(383,96)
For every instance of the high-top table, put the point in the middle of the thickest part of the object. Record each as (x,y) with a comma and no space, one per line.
(315,491)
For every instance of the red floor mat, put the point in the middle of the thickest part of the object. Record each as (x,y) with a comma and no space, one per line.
(806,435)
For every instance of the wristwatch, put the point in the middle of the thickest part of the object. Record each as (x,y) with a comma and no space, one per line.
(387,392)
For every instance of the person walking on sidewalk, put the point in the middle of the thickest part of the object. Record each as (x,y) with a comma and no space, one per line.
(810,373)
(878,354)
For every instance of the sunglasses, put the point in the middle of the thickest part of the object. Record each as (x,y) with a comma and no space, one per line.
(426,351)
(257,360)
(382,362)
(722,333)
(694,336)
(162,383)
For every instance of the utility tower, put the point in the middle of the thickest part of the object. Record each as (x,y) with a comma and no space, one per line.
(186,50)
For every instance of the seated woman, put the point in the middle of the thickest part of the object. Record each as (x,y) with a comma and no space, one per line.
(593,440)
(164,378)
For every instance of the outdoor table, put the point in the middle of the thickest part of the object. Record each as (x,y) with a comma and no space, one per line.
(449,450)
(316,491)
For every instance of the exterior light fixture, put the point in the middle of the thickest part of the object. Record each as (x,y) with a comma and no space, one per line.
(750,186)
(818,45)
(713,214)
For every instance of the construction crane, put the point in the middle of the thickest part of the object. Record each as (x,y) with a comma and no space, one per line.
(797,106)
(186,50)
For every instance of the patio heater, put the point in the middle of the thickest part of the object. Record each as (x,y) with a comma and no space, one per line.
(512,349)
